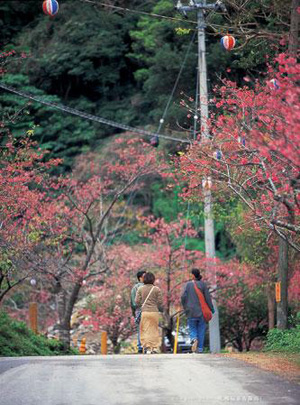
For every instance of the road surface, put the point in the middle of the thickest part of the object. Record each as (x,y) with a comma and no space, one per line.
(140,380)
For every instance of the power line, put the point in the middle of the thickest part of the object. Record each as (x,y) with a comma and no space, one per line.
(91,117)
(138,12)
(161,121)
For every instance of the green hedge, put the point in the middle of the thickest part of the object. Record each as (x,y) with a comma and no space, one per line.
(18,340)
(287,340)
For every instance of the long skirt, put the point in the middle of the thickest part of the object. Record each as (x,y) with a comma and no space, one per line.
(149,330)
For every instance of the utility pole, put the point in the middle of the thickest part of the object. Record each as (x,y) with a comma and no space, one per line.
(200,6)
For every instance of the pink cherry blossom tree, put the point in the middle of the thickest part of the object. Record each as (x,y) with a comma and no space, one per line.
(253,154)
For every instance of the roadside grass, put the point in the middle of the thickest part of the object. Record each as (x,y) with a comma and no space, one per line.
(16,339)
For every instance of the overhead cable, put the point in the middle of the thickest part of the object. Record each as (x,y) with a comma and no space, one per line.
(139,12)
(91,117)
(161,121)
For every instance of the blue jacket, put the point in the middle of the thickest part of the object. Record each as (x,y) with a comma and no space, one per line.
(190,300)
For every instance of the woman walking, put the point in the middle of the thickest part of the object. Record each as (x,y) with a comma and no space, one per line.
(194,310)
(149,299)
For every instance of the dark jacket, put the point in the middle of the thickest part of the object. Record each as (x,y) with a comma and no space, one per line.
(190,300)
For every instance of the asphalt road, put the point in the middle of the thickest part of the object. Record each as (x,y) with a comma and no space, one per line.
(140,380)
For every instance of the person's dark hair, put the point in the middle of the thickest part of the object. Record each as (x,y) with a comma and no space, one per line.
(140,274)
(149,278)
(196,273)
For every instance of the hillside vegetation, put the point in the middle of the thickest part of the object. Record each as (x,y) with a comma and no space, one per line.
(17,340)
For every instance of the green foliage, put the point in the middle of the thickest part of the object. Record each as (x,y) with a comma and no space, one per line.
(287,340)
(79,59)
(64,136)
(159,51)
(247,322)
(237,237)
(251,243)
(121,66)
(195,244)
(131,238)
(15,15)
(166,204)
(17,340)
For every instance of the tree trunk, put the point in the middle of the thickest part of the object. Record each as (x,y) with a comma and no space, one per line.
(294,29)
(282,306)
(63,327)
(61,303)
(167,330)
(64,335)
(163,346)
(116,347)
(271,306)
(168,290)
(65,308)
(169,333)
(238,343)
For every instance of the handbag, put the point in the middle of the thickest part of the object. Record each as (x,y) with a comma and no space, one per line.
(138,316)
(207,314)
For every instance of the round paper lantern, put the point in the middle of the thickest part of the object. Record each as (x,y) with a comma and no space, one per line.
(33,282)
(228,42)
(274,84)
(50,7)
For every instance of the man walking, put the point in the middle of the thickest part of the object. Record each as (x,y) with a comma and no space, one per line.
(135,310)
(193,309)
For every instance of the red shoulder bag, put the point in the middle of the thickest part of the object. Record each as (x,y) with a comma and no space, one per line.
(205,308)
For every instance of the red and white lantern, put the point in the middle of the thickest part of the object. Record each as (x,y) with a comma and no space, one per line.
(228,42)
(50,7)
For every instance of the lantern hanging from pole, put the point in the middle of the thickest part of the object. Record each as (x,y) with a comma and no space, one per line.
(228,42)
(50,7)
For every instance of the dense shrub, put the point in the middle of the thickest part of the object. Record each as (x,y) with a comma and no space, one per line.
(17,340)
(284,340)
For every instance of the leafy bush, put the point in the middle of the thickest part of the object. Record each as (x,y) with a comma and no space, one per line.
(284,340)
(17,340)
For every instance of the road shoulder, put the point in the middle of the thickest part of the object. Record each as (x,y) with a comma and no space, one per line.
(285,365)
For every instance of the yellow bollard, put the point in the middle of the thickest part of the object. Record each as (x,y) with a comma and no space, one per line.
(104,343)
(33,314)
(82,348)
(176,336)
